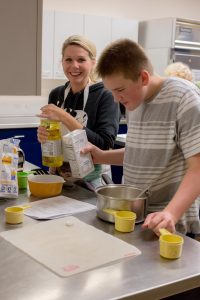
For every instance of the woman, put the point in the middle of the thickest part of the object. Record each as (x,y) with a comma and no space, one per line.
(82,103)
(179,69)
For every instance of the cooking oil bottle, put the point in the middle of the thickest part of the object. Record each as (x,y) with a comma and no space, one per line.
(52,148)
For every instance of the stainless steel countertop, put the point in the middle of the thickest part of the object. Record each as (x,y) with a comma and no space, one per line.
(146,276)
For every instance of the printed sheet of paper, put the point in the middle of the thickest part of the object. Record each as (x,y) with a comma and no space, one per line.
(56,207)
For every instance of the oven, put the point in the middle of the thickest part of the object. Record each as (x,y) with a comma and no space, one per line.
(187,45)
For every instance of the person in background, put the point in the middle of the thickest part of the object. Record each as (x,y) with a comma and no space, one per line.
(162,148)
(82,103)
(179,69)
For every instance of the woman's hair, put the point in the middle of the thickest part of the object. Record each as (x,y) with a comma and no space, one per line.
(123,57)
(179,69)
(84,43)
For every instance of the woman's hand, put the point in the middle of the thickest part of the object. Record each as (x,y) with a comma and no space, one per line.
(158,220)
(42,134)
(52,112)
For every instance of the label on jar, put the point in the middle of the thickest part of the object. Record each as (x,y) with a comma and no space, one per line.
(52,148)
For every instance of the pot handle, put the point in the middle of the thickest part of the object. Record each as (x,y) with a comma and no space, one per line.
(106,178)
(110,211)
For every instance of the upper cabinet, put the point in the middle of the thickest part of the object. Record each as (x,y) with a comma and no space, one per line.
(66,24)
(20,51)
(124,28)
(57,26)
(98,30)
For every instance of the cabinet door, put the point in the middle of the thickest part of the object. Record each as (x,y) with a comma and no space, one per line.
(47,43)
(157,33)
(124,28)
(98,30)
(66,24)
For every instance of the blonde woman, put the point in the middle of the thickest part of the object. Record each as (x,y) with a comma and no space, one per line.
(179,69)
(82,103)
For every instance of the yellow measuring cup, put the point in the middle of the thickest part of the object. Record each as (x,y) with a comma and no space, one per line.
(15,214)
(170,244)
(124,219)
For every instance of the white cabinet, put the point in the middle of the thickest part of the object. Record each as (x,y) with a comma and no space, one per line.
(124,28)
(57,26)
(47,43)
(66,24)
(103,30)
(98,30)
(158,33)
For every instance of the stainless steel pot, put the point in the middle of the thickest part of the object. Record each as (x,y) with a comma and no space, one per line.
(121,197)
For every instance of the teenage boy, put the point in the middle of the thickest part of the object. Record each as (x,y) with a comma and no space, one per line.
(163,141)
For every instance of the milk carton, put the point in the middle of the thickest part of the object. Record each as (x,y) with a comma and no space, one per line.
(81,164)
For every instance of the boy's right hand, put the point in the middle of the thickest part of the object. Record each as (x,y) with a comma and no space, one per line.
(96,153)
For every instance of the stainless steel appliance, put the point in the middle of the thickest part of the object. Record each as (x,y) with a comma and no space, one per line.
(170,40)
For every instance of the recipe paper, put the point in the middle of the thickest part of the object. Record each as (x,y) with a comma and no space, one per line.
(69,246)
(56,207)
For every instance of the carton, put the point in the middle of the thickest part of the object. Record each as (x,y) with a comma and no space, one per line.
(81,164)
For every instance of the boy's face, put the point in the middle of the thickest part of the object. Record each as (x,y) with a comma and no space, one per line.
(126,91)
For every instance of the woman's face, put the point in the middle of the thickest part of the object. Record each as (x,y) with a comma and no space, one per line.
(77,65)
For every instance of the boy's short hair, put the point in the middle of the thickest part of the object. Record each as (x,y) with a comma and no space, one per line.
(124,57)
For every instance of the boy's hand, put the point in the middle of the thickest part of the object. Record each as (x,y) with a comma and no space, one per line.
(157,220)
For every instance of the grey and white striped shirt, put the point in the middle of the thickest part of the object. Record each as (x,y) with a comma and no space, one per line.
(162,133)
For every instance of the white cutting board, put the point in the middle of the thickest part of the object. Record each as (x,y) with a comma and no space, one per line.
(68,246)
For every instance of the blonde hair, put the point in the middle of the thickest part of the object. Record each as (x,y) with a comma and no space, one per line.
(87,45)
(179,69)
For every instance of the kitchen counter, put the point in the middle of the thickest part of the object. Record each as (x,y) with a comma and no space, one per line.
(121,140)
(147,276)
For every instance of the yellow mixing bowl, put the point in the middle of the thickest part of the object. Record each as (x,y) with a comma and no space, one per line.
(45,185)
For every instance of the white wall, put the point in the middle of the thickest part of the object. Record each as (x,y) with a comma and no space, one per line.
(136,9)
